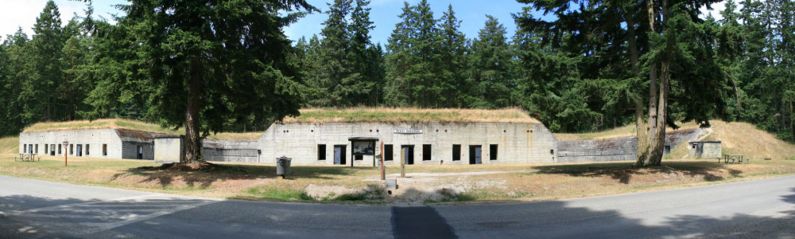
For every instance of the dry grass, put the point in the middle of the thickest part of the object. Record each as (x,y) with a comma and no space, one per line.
(249,136)
(99,124)
(9,145)
(399,115)
(746,139)
(505,182)
(582,180)
(624,131)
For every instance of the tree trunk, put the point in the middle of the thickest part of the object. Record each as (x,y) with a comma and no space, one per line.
(646,149)
(640,125)
(192,138)
(657,132)
(658,146)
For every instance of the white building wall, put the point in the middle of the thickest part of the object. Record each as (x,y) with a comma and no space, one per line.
(517,142)
(95,138)
(168,150)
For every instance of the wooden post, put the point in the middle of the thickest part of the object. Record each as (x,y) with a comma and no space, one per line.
(65,153)
(383,168)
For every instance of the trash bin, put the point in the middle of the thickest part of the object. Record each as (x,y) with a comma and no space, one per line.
(282,166)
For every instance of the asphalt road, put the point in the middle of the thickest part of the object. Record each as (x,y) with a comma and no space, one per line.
(755,209)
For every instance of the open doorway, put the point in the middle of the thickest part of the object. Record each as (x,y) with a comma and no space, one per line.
(475,153)
(339,154)
(408,153)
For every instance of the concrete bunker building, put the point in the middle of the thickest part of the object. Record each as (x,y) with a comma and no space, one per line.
(705,149)
(419,136)
(353,137)
(98,139)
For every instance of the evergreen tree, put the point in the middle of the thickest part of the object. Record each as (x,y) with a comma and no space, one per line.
(399,60)
(335,48)
(315,91)
(16,48)
(38,95)
(414,61)
(74,86)
(491,65)
(213,63)
(453,56)
(363,57)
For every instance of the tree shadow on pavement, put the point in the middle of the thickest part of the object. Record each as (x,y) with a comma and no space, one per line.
(592,218)
(624,171)
(567,219)
(23,216)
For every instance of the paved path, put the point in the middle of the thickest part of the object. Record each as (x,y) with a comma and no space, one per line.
(755,209)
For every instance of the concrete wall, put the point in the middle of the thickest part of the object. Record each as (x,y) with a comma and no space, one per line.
(706,150)
(614,149)
(90,141)
(94,138)
(168,150)
(516,142)
(130,150)
(231,151)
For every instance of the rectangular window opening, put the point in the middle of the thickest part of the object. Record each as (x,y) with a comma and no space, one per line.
(456,152)
(388,152)
(321,152)
(59,149)
(426,152)
(104,150)
(87,151)
(492,152)
(71,149)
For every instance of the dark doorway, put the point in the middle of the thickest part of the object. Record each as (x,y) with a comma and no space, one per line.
(408,153)
(79,150)
(387,152)
(456,152)
(339,154)
(140,152)
(475,154)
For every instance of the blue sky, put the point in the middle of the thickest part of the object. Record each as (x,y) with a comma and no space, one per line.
(384,14)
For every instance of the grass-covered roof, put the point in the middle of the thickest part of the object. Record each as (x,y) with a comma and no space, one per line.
(400,115)
(132,125)
(99,124)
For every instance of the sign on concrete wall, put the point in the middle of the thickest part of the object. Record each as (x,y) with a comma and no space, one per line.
(408,131)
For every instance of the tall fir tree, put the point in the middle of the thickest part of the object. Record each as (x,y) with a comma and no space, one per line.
(335,47)
(491,67)
(413,60)
(214,64)
(453,66)
(38,94)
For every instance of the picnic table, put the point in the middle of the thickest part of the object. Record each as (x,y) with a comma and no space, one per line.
(735,158)
(27,158)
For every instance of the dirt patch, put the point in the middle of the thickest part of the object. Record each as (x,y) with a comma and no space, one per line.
(442,189)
